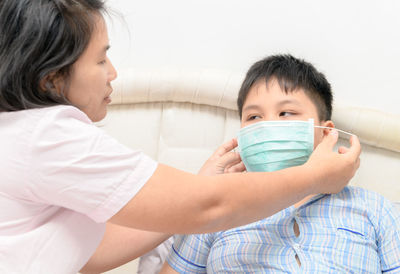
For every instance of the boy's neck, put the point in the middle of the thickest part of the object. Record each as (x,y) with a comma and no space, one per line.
(304,200)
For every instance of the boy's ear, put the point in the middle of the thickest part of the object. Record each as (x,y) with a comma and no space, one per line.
(327,123)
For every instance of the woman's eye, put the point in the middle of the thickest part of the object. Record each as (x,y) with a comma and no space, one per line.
(102,62)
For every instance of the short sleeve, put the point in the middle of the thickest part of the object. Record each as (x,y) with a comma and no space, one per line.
(74,164)
(389,238)
(189,253)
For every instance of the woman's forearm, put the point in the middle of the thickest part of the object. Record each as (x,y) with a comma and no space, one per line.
(121,245)
(211,203)
(174,201)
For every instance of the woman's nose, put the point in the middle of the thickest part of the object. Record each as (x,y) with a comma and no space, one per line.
(112,71)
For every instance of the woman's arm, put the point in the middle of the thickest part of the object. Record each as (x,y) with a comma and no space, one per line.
(121,245)
(173,201)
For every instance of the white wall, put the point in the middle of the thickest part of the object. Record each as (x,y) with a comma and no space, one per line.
(355,43)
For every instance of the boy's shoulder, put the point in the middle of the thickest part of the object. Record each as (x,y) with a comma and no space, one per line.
(355,192)
(361,197)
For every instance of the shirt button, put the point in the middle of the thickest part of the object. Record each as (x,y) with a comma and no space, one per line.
(296,246)
(297,213)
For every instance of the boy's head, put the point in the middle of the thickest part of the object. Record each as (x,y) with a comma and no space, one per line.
(282,87)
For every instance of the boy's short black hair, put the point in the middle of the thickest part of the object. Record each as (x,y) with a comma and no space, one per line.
(292,74)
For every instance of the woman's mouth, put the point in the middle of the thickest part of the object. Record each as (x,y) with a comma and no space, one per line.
(107,99)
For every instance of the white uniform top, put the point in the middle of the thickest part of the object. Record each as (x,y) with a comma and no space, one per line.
(61,179)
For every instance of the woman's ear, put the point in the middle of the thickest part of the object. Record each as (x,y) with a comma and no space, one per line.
(327,123)
(52,83)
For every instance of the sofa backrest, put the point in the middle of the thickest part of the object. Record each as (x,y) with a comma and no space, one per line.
(179,117)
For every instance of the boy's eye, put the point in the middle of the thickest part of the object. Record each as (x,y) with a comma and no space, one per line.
(286,114)
(253,117)
(102,62)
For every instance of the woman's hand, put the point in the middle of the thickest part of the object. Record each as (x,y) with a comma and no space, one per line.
(333,170)
(223,160)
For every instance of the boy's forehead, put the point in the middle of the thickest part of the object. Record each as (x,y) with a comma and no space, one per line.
(255,104)
(272,91)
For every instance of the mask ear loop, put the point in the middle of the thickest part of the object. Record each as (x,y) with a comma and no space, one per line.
(345,132)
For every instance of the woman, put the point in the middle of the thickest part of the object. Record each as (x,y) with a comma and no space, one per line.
(63,178)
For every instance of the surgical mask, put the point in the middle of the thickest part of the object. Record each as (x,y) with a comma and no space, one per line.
(275,145)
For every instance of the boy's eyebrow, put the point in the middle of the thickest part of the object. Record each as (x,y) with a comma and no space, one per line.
(288,101)
(249,107)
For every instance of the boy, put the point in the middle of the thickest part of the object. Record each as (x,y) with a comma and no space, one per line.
(353,231)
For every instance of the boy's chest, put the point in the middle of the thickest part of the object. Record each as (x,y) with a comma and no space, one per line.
(317,236)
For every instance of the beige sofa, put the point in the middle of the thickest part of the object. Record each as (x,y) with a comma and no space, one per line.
(180,116)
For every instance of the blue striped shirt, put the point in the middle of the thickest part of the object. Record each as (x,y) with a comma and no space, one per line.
(354,231)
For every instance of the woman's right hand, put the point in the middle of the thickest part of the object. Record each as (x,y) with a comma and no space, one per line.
(223,160)
(332,170)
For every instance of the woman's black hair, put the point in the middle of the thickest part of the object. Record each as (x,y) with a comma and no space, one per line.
(40,40)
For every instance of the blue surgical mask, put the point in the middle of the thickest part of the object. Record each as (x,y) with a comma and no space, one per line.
(275,145)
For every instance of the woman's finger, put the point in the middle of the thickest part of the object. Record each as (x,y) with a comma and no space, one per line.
(236,168)
(229,159)
(225,148)
(343,150)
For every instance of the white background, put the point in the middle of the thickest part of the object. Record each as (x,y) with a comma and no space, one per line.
(356,43)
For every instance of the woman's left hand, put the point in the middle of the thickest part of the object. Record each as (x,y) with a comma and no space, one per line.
(223,160)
